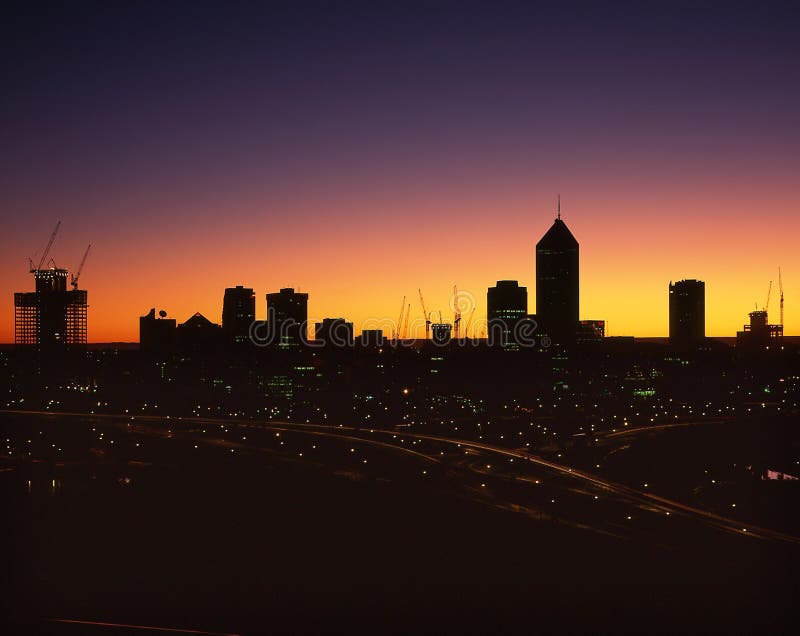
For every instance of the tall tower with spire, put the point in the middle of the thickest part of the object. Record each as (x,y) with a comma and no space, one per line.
(557,282)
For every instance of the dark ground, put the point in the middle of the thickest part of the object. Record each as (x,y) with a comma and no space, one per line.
(252,544)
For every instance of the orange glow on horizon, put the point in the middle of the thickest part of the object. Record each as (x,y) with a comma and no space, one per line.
(367,252)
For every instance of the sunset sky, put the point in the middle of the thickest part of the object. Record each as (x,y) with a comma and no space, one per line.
(362,154)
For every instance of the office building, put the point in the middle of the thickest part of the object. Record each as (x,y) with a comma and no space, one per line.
(591,331)
(372,338)
(157,335)
(334,332)
(557,283)
(687,312)
(287,317)
(506,306)
(238,314)
(199,335)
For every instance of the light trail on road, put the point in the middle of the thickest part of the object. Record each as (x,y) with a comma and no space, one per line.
(145,628)
(360,434)
(662,427)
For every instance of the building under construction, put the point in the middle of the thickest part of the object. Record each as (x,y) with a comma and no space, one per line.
(53,317)
(759,335)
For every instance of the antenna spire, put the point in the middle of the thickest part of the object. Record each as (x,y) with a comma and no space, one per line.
(559,206)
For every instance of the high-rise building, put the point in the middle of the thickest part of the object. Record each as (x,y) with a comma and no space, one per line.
(51,318)
(238,313)
(557,282)
(506,306)
(287,317)
(334,332)
(687,312)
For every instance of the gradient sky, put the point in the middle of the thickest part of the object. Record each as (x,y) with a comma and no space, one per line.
(362,153)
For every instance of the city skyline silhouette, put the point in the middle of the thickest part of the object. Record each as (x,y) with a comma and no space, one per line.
(472,302)
(392,144)
(400,318)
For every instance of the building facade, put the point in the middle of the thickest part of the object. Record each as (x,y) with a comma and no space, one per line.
(506,307)
(557,283)
(334,332)
(238,314)
(157,335)
(287,317)
(687,312)
(441,333)
(52,318)
(759,335)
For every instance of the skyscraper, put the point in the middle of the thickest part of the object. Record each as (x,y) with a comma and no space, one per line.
(238,313)
(557,283)
(687,312)
(287,315)
(506,305)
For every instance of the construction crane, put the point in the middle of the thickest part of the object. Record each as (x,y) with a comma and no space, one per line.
(47,249)
(77,275)
(405,326)
(426,315)
(780,289)
(400,319)
(769,292)
(456,313)
(469,322)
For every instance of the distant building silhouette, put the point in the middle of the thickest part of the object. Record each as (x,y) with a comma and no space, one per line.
(441,333)
(591,331)
(51,318)
(687,312)
(199,335)
(287,317)
(372,338)
(759,335)
(156,335)
(334,332)
(506,306)
(557,283)
(238,313)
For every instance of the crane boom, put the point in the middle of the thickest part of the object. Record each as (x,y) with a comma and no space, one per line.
(456,313)
(77,274)
(426,315)
(769,292)
(469,323)
(400,319)
(49,245)
(405,326)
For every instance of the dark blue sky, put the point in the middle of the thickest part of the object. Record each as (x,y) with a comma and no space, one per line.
(157,131)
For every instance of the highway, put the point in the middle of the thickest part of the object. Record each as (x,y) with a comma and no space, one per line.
(667,505)
(662,427)
(387,440)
